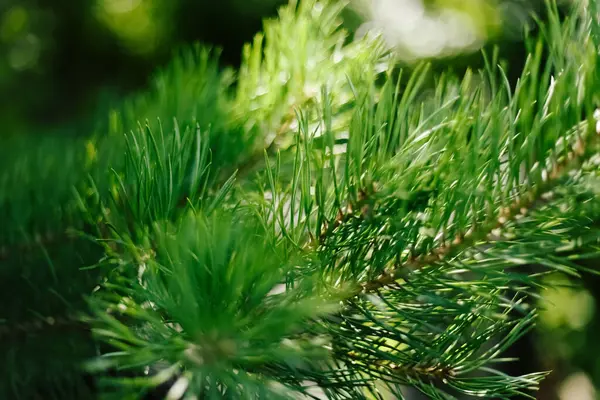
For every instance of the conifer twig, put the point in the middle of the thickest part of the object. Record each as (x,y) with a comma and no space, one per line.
(573,160)
(432,371)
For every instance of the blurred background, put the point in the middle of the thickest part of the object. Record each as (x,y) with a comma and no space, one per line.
(64,61)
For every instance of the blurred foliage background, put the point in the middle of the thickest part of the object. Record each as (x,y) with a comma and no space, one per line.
(64,61)
(63,58)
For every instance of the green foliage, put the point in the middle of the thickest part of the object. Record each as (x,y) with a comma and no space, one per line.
(223,318)
(381,231)
(285,67)
(40,253)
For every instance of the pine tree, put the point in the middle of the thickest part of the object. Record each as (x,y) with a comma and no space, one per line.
(319,224)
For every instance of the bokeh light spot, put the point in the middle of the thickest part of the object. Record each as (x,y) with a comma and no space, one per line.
(25,53)
(577,386)
(565,306)
(14,22)
(138,24)
(120,6)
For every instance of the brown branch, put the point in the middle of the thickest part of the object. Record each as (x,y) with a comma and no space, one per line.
(67,322)
(434,371)
(48,239)
(19,330)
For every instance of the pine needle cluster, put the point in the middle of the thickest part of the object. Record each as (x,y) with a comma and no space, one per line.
(319,224)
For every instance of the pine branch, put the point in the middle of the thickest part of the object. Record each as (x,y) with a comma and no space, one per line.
(219,295)
(573,161)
